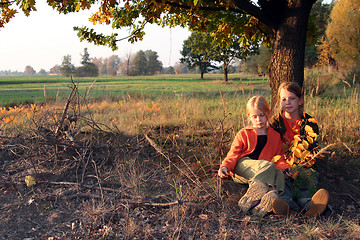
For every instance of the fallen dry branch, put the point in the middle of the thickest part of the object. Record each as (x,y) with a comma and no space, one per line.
(156,147)
(86,186)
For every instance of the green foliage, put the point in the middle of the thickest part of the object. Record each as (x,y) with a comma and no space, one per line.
(153,64)
(85,57)
(318,20)
(145,63)
(139,64)
(66,67)
(88,70)
(169,70)
(258,63)
(198,51)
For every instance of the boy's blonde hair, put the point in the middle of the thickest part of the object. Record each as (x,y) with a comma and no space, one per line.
(292,87)
(258,102)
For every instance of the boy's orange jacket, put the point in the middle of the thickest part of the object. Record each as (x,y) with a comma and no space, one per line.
(245,142)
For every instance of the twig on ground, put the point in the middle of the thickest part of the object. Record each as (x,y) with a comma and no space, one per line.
(155,146)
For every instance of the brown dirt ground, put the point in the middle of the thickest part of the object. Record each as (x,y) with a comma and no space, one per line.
(120,187)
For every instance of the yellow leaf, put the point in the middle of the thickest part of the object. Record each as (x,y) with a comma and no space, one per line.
(297,137)
(301,147)
(306,144)
(304,154)
(308,129)
(297,153)
(276,158)
(30,180)
(313,120)
(312,134)
(310,139)
(290,161)
(77,8)
(310,163)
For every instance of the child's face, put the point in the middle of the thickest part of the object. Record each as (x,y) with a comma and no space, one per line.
(290,103)
(258,118)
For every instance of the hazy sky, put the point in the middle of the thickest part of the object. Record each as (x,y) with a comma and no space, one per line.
(45,37)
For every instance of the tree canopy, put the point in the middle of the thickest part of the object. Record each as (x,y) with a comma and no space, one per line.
(197,52)
(67,68)
(145,63)
(343,32)
(202,50)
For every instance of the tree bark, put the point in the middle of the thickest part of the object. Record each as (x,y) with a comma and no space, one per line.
(288,44)
(225,69)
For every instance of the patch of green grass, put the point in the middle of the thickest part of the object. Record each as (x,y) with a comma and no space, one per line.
(22,89)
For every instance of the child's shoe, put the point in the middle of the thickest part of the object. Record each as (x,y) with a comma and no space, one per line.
(318,203)
(265,205)
(254,193)
(280,207)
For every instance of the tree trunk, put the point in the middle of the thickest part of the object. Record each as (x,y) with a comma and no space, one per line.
(225,69)
(288,44)
(202,75)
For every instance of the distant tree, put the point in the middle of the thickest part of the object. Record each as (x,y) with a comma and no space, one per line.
(197,52)
(55,69)
(225,52)
(258,63)
(153,64)
(343,32)
(42,72)
(325,56)
(180,68)
(29,70)
(112,65)
(169,70)
(230,69)
(139,64)
(318,20)
(102,69)
(85,57)
(100,63)
(67,68)
(126,65)
(88,69)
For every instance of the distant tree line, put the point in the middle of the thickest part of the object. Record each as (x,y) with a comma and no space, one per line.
(142,63)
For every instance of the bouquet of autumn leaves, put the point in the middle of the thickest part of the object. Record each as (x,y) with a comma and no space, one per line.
(304,150)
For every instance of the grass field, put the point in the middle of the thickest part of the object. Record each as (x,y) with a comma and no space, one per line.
(37,89)
(140,159)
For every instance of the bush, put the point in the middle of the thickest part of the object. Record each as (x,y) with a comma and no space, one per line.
(316,82)
(88,70)
(352,76)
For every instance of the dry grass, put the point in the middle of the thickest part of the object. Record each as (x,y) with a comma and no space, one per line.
(146,169)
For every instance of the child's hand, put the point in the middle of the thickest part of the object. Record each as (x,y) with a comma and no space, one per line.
(288,173)
(223,172)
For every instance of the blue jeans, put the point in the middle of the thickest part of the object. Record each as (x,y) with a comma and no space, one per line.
(298,192)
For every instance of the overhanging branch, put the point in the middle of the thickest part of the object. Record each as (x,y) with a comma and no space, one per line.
(178,5)
(7,3)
